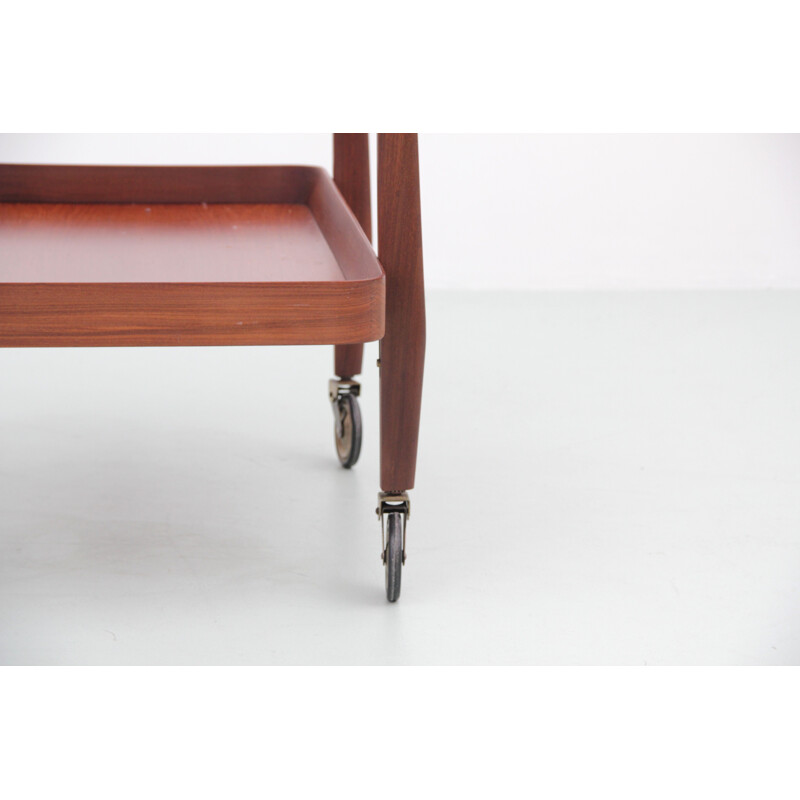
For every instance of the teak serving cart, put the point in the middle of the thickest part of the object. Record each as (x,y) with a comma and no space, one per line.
(95,256)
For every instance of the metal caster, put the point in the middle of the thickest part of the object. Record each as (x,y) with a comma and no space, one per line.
(393,510)
(347,428)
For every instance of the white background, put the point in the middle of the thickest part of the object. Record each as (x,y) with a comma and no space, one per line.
(689,65)
(548,211)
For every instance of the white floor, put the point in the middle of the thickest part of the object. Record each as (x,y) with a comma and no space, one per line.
(603,479)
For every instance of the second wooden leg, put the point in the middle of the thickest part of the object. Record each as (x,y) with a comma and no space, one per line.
(348,359)
(351,175)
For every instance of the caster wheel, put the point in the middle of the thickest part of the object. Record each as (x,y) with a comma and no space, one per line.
(393,556)
(347,429)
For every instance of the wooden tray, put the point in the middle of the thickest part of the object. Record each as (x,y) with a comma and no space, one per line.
(94,256)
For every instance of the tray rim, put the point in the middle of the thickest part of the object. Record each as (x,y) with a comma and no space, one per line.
(344,311)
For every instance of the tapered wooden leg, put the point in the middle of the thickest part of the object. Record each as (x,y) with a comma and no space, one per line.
(347,360)
(351,175)
(402,352)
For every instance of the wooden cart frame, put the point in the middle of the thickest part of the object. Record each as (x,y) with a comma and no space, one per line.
(95,256)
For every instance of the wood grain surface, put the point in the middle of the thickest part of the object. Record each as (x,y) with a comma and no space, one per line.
(162,243)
